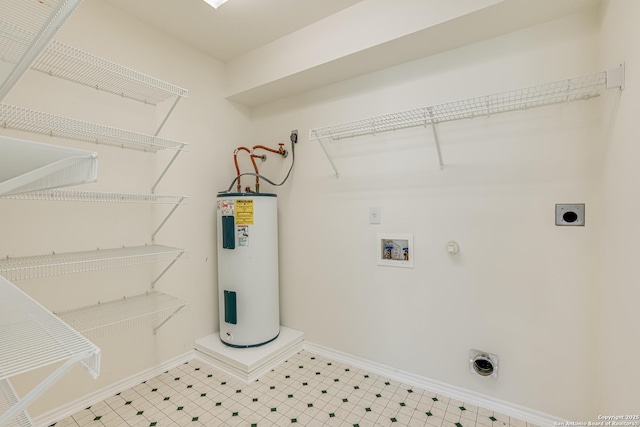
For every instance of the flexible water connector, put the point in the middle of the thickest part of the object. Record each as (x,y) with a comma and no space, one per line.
(280,151)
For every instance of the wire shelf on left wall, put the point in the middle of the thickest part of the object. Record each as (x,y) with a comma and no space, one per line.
(98,197)
(25,119)
(105,318)
(33,267)
(33,338)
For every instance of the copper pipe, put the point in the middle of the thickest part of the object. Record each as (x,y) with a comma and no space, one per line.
(235,162)
(280,149)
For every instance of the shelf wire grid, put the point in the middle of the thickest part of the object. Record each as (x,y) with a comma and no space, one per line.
(32,15)
(98,197)
(561,91)
(69,63)
(38,21)
(32,267)
(8,398)
(106,318)
(14,41)
(33,337)
(25,119)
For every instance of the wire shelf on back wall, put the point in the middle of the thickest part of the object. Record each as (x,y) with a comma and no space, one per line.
(20,118)
(106,318)
(32,267)
(561,91)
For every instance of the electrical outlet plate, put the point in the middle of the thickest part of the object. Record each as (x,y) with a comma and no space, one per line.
(570,214)
(375,215)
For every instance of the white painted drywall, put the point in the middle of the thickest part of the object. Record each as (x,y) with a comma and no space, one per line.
(619,293)
(205,120)
(521,287)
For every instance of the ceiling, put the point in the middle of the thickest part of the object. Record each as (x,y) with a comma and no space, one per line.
(236,27)
(273,49)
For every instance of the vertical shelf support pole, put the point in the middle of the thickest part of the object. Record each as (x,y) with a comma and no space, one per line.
(155,330)
(437,140)
(329,158)
(153,284)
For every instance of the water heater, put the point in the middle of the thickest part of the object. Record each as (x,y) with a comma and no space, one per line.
(248,268)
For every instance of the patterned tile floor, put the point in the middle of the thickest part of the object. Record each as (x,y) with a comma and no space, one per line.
(307,390)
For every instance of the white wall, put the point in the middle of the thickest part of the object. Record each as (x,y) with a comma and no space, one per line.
(521,287)
(204,120)
(619,292)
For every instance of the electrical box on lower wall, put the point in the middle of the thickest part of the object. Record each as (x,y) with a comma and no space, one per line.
(395,250)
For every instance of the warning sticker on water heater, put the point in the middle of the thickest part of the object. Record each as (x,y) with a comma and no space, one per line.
(244,212)
(243,235)
(226,206)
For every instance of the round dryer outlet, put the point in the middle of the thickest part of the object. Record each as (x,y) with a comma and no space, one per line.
(483,364)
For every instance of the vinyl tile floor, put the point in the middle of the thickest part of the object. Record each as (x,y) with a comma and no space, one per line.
(306,390)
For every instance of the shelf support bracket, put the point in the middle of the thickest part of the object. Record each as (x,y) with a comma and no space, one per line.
(166,117)
(173,159)
(329,158)
(155,330)
(437,140)
(153,236)
(153,284)
(36,392)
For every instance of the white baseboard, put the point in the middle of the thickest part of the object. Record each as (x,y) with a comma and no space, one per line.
(83,402)
(512,410)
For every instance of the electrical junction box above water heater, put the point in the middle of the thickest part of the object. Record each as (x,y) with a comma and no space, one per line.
(248,282)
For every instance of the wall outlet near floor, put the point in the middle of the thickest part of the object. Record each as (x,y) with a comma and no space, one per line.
(570,214)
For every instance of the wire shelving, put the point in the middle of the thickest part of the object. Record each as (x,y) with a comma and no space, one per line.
(561,91)
(38,266)
(99,197)
(31,166)
(32,338)
(67,62)
(25,119)
(8,398)
(106,318)
(29,27)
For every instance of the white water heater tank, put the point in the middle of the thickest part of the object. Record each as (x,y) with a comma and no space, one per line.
(248,282)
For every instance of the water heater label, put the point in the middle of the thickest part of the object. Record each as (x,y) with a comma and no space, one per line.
(226,206)
(244,212)
(243,235)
